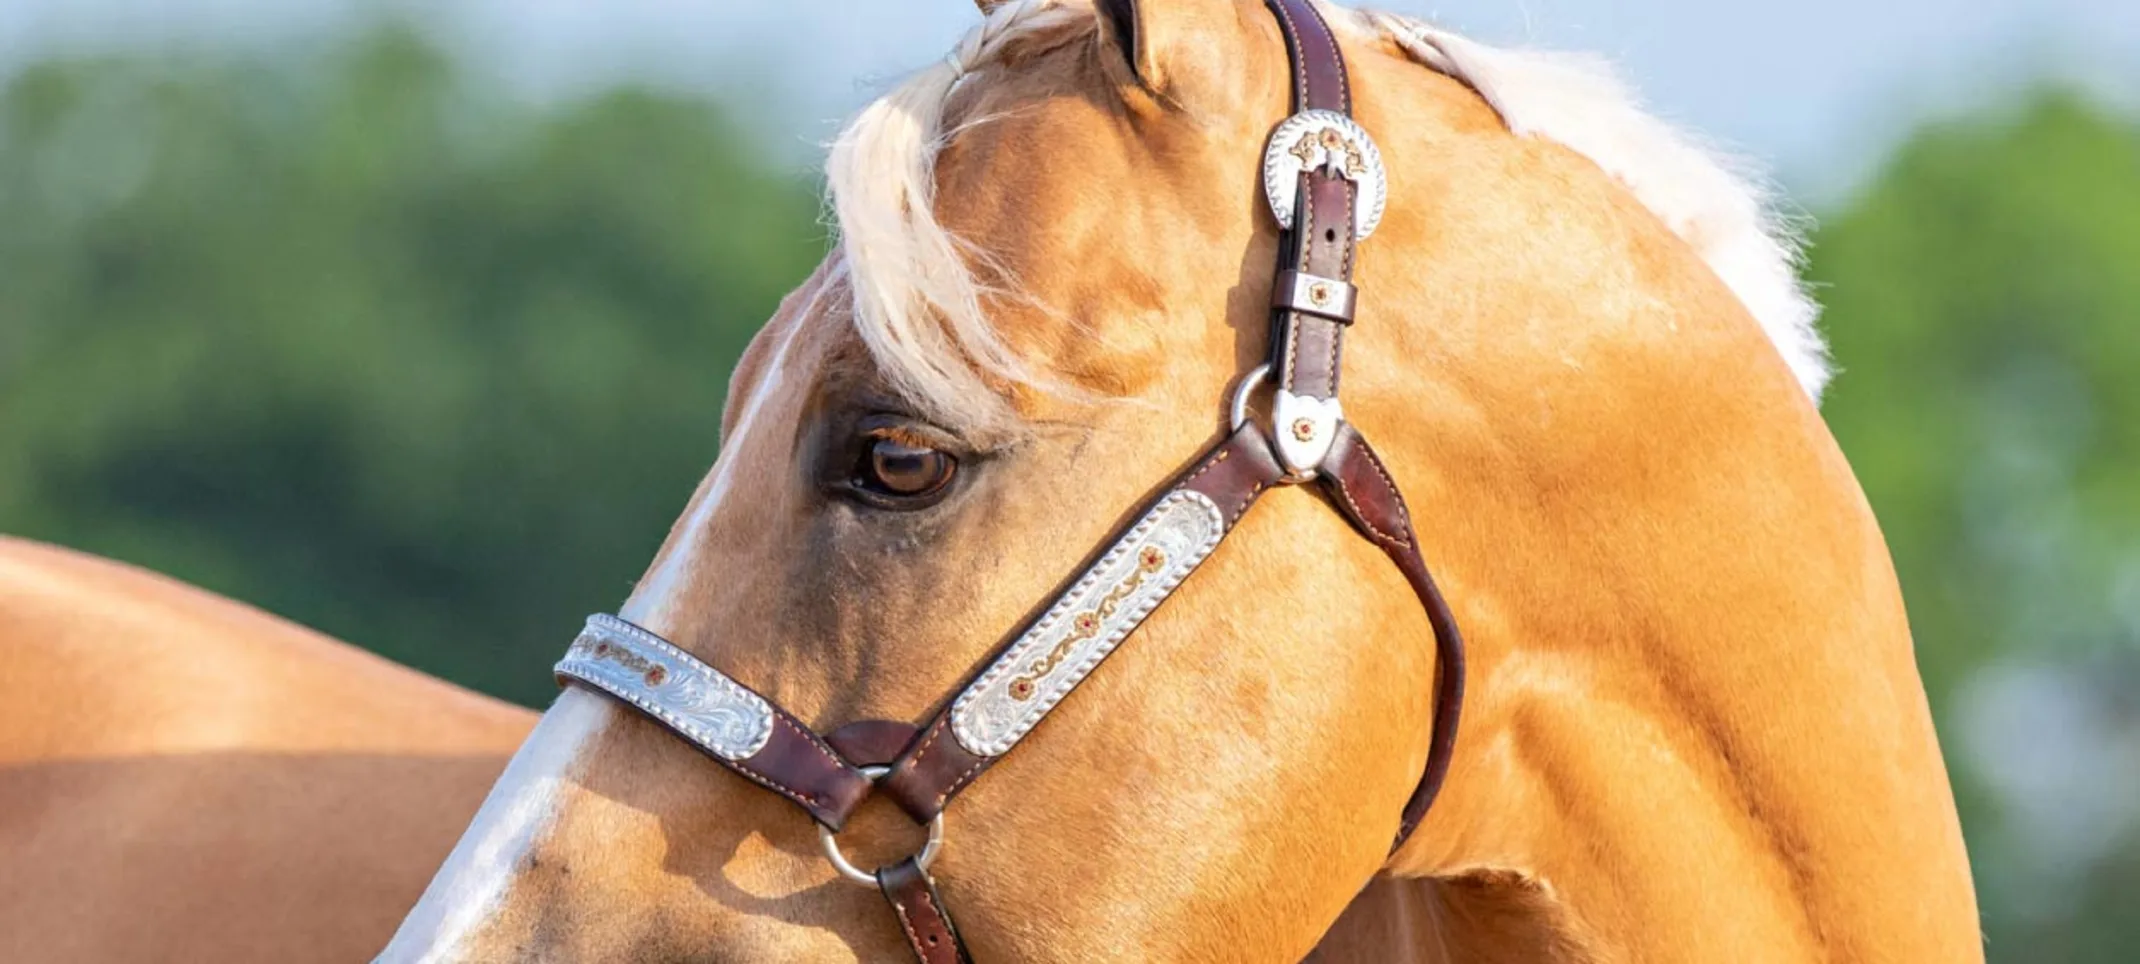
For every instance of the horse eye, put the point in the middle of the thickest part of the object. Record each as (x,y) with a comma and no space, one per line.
(901,471)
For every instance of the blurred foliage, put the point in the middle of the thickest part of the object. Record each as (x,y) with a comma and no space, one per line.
(353,343)
(360,342)
(1984,303)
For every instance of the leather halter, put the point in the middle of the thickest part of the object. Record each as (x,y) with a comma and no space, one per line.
(1326,184)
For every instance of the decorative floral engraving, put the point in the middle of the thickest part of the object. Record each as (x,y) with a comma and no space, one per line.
(1307,150)
(1330,140)
(1326,147)
(694,699)
(1086,623)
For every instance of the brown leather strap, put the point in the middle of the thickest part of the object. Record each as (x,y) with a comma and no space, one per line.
(872,742)
(1306,345)
(1309,344)
(923,918)
(794,762)
(936,767)
(1307,349)
(1361,487)
(1319,80)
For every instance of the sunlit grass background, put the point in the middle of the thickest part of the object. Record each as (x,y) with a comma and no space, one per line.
(367,337)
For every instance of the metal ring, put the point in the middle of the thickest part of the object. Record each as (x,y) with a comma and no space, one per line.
(848,870)
(1245,391)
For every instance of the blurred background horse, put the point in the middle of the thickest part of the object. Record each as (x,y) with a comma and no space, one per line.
(184,778)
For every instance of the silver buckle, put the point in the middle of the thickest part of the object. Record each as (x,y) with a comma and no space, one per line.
(1330,141)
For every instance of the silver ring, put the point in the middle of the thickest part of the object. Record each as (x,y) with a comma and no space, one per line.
(1246,391)
(847,868)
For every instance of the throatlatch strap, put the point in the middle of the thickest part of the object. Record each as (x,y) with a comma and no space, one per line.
(1360,486)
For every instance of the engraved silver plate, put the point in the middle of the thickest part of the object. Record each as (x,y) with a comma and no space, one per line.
(1324,138)
(673,686)
(1142,569)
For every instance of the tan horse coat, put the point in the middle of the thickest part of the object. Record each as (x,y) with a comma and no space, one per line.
(183,778)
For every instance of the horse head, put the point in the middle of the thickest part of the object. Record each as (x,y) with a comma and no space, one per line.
(1693,729)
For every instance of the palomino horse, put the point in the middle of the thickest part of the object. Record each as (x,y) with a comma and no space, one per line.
(183,778)
(1694,730)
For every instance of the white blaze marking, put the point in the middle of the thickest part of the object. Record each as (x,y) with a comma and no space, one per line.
(660,594)
(523,807)
(523,804)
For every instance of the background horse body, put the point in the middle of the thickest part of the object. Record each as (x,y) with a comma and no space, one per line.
(184,778)
(1695,730)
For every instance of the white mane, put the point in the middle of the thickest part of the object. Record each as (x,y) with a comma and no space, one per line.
(1721,204)
(918,307)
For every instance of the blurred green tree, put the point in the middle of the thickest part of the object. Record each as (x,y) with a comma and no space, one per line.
(363,343)
(1984,303)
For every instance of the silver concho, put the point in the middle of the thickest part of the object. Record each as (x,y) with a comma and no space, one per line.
(1324,138)
(695,699)
(1141,570)
(1304,426)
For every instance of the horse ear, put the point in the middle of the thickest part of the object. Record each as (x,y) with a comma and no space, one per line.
(1180,50)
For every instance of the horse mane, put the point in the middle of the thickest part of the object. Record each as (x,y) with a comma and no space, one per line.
(1722,204)
(918,305)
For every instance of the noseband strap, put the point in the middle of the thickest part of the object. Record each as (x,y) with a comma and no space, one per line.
(726,720)
(1326,186)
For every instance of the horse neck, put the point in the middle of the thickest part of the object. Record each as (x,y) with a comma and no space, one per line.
(1689,653)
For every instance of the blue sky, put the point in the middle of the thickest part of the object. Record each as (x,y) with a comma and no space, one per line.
(1818,87)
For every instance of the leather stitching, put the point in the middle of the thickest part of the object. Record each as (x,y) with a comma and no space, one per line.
(811,738)
(928,899)
(1345,492)
(1352,194)
(1239,510)
(923,750)
(1299,56)
(1224,453)
(1242,509)
(1304,226)
(808,801)
(1404,512)
(908,925)
(1344,78)
(960,783)
(1352,200)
